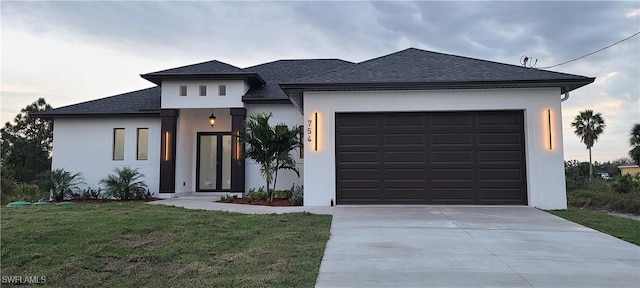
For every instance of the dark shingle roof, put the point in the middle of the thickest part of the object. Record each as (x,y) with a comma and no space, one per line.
(415,65)
(407,69)
(209,67)
(141,102)
(288,70)
(205,70)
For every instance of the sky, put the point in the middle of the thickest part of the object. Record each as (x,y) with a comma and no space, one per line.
(71,52)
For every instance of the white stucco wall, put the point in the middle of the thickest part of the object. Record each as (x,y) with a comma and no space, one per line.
(86,145)
(190,122)
(171,98)
(282,113)
(545,168)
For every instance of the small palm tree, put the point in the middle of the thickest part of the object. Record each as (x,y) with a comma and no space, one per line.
(588,126)
(634,141)
(59,183)
(270,147)
(125,184)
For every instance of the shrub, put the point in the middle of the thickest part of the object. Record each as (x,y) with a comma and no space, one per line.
(9,188)
(256,194)
(625,184)
(30,192)
(228,198)
(611,201)
(283,194)
(297,195)
(125,185)
(88,194)
(59,183)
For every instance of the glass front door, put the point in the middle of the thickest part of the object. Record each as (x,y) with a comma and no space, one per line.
(213,167)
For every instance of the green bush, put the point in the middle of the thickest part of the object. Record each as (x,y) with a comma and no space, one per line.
(9,187)
(125,185)
(30,192)
(228,198)
(258,194)
(297,195)
(282,194)
(625,184)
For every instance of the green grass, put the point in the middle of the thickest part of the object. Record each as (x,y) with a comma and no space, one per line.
(623,228)
(139,245)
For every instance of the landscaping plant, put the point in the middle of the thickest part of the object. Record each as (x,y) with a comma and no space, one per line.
(125,184)
(270,147)
(588,126)
(59,183)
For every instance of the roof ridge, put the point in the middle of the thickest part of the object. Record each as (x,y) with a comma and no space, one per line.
(195,64)
(103,98)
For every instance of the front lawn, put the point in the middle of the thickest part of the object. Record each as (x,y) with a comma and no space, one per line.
(135,245)
(623,228)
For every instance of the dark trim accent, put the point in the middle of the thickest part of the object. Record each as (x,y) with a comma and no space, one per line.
(253,78)
(296,90)
(219,160)
(169,123)
(238,116)
(142,114)
(266,100)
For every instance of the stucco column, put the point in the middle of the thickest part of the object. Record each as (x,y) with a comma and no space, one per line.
(238,116)
(169,121)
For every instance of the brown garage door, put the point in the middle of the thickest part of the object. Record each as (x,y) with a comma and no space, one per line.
(430,158)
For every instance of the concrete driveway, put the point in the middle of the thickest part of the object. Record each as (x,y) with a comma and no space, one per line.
(452,246)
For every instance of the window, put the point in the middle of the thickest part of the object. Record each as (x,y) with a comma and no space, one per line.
(222,90)
(183,90)
(203,90)
(301,142)
(118,144)
(143,144)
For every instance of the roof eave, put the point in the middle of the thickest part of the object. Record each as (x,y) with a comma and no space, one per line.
(254,79)
(51,116)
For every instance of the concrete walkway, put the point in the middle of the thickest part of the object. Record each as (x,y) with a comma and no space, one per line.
(208,203)
(453,246)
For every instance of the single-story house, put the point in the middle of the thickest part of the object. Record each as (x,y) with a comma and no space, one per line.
(411,127)
(629,169)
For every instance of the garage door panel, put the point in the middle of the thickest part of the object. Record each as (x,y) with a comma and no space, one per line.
(499,119)
(452,194)
(405,194)
(404,157)
(431,158)
(497,174)
(404,120)
(451,156)
(451,174)
(359,140)
(499,156)
(359,121)
(358,157)
(358,174)
(450,120)
(404,139)
(505,138)
(451,139)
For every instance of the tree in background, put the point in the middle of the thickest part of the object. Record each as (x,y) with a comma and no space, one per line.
(26,143)
(634,141)
(588,126)
(270,147)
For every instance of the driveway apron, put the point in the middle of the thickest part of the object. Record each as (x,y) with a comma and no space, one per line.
(454,246)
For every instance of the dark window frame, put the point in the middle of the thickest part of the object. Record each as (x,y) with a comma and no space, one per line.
(183,90)
(138,144)
(115,142)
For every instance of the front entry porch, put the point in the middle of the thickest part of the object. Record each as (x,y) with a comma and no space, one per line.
(198,157)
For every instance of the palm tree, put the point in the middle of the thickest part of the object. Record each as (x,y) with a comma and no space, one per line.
(634,141)
(588,126)
(270,147)
(59,183)
(125,184)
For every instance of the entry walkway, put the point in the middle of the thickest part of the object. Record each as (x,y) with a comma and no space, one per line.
(453,246)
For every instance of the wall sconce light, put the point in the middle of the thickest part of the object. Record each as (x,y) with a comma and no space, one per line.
(166,146)
(549,127)
(212,119)
(315,130)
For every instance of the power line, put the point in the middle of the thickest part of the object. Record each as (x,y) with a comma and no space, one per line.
(594,52)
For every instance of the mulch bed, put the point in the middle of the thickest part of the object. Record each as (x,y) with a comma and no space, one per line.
(276,202)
